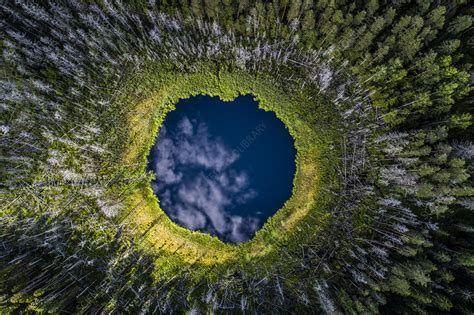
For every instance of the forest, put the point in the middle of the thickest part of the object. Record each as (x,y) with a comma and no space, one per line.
(376,94)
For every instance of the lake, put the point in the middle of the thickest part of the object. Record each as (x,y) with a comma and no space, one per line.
(222,168)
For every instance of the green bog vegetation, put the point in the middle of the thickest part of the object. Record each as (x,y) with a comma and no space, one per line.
(377,96)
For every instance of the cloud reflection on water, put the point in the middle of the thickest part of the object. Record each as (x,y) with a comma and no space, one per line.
(196,182)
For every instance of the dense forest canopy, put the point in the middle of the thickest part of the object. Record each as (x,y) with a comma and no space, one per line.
(377,95)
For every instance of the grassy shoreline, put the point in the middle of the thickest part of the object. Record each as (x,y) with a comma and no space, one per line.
(175,246)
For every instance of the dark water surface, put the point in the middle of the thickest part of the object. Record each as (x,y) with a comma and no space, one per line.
(221,167)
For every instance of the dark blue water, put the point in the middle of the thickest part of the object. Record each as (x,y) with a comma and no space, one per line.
(222,167)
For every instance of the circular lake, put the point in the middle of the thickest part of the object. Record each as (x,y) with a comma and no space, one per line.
(222,168)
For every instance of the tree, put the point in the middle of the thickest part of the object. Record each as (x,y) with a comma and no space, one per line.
(294,10)
(463,120)
(460,24)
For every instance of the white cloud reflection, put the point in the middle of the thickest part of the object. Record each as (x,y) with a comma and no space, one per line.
(194,199)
